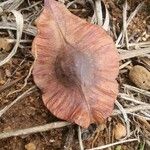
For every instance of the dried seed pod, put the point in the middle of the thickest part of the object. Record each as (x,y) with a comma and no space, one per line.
(76,65)
(140,76)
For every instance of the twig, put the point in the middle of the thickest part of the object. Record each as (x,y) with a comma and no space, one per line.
(122,110)
(70,3)
(113,144)
(25,94)
(30,6)
(62,124)
(141,44)
(135,89)
(80,138)
(32,130)
(134,53)
(124,65)
(126,119)
(145,113)
(128,98)
(29,3)
(17,67)
(132,109)
(25,82)
(139,116)
(4,87)
(30,30)
(21,41)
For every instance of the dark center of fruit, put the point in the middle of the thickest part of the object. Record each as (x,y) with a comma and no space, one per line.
(73,68)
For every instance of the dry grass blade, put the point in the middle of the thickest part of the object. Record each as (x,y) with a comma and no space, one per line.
(70,3)
(99,14)
(124,65)
(122,110)
(11,4)
(135,89)
(31,30)
(145,113)
(80,138)
(134,53)
(140,44)
(132,109)
(21,41)
(113,144)
(133,14)
(126,119)
(32,130)
(140,116)
(125,24)
(3,4)
(128,98)
(15,5)
(107,20)
(19,23)
(31,6)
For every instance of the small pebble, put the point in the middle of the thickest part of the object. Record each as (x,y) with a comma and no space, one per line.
(119,131)
(30,146)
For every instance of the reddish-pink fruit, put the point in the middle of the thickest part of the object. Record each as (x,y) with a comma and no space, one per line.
(76,65)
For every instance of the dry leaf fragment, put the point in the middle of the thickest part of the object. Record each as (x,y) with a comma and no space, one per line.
(120,131)
(76,65)
(140,76)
